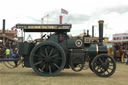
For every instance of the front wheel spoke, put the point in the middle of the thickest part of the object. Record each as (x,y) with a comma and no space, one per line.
(106,61)
(110,65)
(99,65)
(110,61)
(38,63)
(108,71)
(99,68)
(100,60)
(110,68)
(104,73)
(102,69)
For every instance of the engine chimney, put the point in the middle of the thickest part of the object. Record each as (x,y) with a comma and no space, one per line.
(92,31)
(3,26)
(61,19)
(101,22)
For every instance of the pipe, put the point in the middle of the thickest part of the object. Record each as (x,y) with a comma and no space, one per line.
(101,22)
(61,19)
(92,31)
(3,26)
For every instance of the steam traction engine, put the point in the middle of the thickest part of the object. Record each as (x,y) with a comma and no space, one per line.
(58,51)
(7,40)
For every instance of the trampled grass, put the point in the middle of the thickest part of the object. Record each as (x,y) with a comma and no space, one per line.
(26,76)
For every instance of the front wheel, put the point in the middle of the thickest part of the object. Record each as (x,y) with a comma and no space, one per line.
(104,65)
(90,64)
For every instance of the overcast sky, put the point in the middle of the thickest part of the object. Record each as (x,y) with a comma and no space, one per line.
(82,14)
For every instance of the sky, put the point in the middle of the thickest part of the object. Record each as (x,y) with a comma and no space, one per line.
(82,14)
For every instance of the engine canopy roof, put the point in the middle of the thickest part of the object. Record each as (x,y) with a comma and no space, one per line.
(44,27)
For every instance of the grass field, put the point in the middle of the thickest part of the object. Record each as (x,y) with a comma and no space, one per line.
(26,76)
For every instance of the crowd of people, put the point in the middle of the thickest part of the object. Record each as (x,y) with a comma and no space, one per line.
(126,56)
(122,52)
(12,53)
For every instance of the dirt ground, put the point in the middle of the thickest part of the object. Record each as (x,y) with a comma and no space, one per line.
(26,76)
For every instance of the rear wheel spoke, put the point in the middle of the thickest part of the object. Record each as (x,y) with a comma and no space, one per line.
(51,52)
(43,68)
(56,65)
(54,55)
(46,52)
(38,63)
(50,69)
(41,53)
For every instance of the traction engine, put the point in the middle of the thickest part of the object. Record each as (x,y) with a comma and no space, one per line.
(57,51)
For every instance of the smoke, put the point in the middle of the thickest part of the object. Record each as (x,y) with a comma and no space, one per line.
(77,18)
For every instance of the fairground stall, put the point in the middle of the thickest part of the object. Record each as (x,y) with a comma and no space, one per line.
(120,44)
(7,41)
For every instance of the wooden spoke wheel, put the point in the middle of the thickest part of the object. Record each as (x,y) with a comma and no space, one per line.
(90,64)
(47,58)
(2,50)
(103,65)
(75,65)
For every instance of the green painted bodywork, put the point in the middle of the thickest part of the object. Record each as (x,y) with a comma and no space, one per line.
(90,50)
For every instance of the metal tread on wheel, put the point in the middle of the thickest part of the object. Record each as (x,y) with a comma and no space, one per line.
(47,58)
(103,65)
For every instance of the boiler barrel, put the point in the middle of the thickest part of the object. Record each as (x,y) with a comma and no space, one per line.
(95,49)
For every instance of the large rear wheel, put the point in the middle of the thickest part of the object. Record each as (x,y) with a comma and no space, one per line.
(47,58)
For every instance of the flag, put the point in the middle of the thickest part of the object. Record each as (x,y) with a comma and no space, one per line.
(64,11)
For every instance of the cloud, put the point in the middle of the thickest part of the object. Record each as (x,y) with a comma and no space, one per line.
(71,18)
(53,18)
(119,9)
(36,20)
(75,18)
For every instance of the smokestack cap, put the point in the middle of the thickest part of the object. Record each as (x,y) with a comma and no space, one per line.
(101,21)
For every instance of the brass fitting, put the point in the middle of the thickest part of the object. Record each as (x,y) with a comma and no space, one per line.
(101,21)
